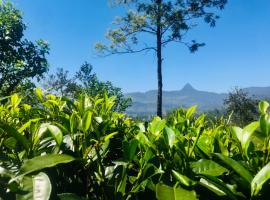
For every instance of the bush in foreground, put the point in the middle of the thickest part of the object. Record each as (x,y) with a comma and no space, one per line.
(81,149)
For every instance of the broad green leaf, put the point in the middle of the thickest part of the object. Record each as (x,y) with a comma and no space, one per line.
(132,149)
(56,133)
(73,121)
(207,167)
(248,131)
(36,187)
(260,178)
(217,186)
(143,139)
(164,192)
(238,132)
(236,166)
(15,134)
(122,185)
(147,155)
(265,124)
(183,179)
(244,135)
(156,126)
(41,187)
(212,187)
(190,111)
(41,162)
(86,122)
(169,136)
(10,143)
(263,106)
(205,144)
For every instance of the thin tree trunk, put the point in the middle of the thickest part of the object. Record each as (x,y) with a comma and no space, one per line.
(159,61)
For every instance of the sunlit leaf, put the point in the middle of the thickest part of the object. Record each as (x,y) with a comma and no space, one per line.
(41,162)
(236,166)
(207,167)
(260,178)
(164,192)
(190,111)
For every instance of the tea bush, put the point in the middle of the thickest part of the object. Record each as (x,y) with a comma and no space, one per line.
(60,148)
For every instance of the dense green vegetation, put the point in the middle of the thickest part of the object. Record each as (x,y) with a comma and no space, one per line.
(85,81)
(72,140)
(83,149)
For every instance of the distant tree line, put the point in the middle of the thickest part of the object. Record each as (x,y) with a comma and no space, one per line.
(85,81)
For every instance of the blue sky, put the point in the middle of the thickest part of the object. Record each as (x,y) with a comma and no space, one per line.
(237,51)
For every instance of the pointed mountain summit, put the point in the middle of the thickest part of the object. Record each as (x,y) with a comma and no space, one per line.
(188,87)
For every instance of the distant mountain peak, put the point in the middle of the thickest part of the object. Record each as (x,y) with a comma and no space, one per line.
(187,87)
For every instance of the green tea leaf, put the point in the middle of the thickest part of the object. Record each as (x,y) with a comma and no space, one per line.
(86,122)
(183,179)
(244,135)
(41,162)
(263,106)
(207,167)
(260,178)
(265,124)
(236,166)
(15,134)
(217,186)
(212,187)
(56,133)
(156,126)
(190,111)
(41,187)
(132,149)
(164,192)
(169,137)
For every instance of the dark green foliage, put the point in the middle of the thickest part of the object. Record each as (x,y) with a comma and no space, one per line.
(242,107)
(81,146)
(20,59)
(85,81)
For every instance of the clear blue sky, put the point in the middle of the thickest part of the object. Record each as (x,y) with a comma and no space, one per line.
(237,51)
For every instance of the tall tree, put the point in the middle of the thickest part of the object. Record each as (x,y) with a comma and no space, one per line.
(20,59)
(166,20)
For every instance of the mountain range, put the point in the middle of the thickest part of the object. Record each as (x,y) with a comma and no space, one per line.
(144,103)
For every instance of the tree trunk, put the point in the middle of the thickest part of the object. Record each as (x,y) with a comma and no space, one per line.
(159,60)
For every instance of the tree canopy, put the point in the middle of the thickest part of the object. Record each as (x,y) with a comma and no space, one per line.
(242,106)
(20,59)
